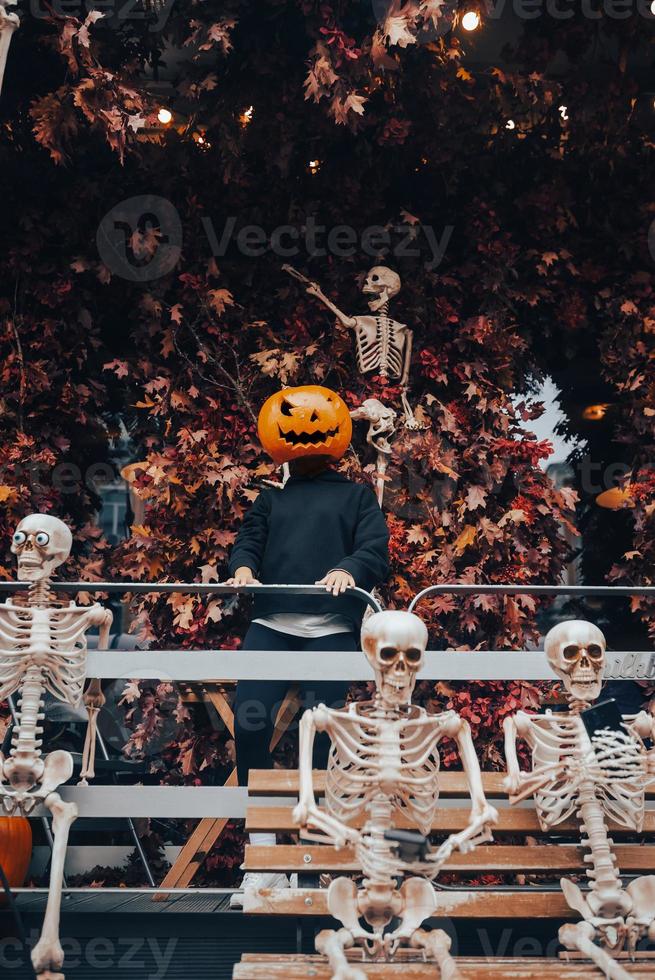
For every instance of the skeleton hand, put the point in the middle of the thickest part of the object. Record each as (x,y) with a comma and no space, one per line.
(337,581)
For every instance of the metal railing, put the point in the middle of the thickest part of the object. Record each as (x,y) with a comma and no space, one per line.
(168,802)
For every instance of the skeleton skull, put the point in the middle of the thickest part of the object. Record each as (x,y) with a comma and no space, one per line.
(576,652)
(383,284)
(394,644)
(41,543)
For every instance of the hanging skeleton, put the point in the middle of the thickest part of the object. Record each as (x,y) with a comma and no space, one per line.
(384,764)
(8,24)
(382,344)
(595,777)
(43,648)
(381,430)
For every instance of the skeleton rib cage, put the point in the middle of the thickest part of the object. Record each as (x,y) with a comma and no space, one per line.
(615,762)
(381,344)
(372,758)
(52,640)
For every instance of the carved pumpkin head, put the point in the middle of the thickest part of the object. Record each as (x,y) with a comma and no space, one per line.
(309,421)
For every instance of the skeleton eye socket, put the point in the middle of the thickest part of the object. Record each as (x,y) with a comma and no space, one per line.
(375,278)
(413,656)
(285,408)
(42,539)
(20,537)
(388,654)
(571,652)
(594,651)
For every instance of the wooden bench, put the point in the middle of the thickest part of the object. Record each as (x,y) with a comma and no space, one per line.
(528,890)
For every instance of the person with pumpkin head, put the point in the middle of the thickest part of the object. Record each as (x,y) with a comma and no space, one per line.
(318,528)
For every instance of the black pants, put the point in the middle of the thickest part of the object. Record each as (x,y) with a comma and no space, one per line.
(258,702)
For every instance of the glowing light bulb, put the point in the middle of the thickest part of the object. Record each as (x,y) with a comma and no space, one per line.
(314,166)
(652,8)
(563,110)
(165,116)
(246,115)
(471,20)
(510,124)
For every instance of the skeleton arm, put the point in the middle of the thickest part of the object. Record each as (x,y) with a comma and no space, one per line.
(315,290)
(404,380)
(94,699)
(521,784)
(482,814)
(307,813)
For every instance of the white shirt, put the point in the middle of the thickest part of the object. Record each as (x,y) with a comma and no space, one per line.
(306,624)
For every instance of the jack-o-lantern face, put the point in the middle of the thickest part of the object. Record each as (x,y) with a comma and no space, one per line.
(308,421)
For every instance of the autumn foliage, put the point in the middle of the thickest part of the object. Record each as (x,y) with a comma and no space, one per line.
(523,250)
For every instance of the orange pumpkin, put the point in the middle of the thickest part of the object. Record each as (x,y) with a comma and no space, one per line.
(15,849)
(307,421)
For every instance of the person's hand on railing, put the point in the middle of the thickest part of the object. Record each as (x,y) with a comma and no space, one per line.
(337,581)
(243,576)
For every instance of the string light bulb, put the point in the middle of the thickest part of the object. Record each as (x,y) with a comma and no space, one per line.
(471,20)
(246,116)
(510,124)
(314,166)
(594,413)
(564,111)
(165,116)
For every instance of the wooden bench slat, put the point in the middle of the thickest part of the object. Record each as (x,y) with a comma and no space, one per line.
(498,858)
(458,904)
(284,782)
(517,820)
(260,967)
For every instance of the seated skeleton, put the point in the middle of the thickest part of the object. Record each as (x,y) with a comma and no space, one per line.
(384,769)
(595,773)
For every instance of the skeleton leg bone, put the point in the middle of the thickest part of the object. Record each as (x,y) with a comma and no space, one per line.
(48,955)
(437,945)
(89,753)
(333,945)
(581,937)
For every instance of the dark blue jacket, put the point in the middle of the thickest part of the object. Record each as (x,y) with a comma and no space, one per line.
(312,525)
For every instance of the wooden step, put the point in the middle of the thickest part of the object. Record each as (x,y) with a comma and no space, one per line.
(285,782)
(555,858)
(458,904)
(517,820)
(262,967)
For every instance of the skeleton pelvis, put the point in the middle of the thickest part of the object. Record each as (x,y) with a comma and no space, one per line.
(379,903)
(23,774)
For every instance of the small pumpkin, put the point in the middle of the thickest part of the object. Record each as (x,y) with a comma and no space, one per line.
(15,850)
(308,421)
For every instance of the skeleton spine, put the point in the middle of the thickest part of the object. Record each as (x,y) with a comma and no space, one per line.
(603,870)
(382,334)
(376,859)
(26,747)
